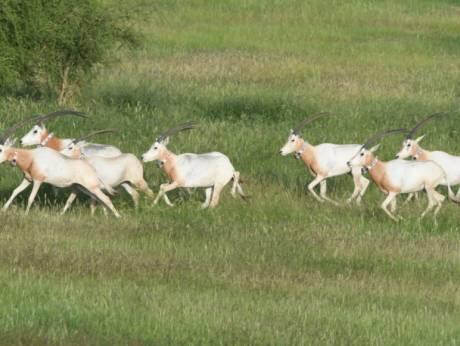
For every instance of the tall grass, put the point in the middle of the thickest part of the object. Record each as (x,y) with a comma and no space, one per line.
(282,269)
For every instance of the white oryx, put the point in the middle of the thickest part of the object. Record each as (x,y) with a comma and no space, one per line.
(211,171)
(124,170)
(39,135)
(399,176)
(449,163)
(45,165)
(325,161)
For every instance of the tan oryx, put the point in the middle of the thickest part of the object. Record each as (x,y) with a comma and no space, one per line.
(449,163)
(39,135)
(44,165)
(400,176)
(211,171)
(124,170)
(325,161)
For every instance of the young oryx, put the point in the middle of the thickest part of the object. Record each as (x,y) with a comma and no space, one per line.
(449,163)
(44,165)
(400,176)
(211,171)
(39,135)
(125,169)
(324,161)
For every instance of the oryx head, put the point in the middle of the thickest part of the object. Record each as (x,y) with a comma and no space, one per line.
(410,146)
(6,141)
(73,149)
(365,154)
(295,141)
(36,135)
(158,148)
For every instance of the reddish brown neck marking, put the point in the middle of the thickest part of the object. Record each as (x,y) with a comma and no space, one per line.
(52,142)
(380,178)
(309,158)
(169,165)
(421,154)
(24,160)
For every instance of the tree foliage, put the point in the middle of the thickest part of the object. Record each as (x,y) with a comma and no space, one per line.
(52,46)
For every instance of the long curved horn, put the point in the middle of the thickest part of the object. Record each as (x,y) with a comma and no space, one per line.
(421,123)
(308,120)
(94,133)
(381,135)
(46,117)
(9,131)
(173,130)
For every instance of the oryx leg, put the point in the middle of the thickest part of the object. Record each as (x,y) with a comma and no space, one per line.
(431,202)
(24,184)
(166,188)
(323,190)
(134,194)
(217,189)
(144,187)
(393,205)
(387,201)
(105,200)
(312,185)
(409,198)
(208,192)
(35,188)
(69,202)
(440,199)
(356,173)
(364,184)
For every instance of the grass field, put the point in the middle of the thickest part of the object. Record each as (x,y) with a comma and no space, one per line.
(282,269)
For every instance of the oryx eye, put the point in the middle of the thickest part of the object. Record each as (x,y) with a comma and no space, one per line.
(35,131)
(292,140)
(408,145)
(155,148)
(1,150)
(362,154)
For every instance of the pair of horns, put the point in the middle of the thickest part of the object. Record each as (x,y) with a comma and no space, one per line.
(409,133)
(380,135)
(94,133)
(37,120)
(179,128)
(421,123)
(308,120)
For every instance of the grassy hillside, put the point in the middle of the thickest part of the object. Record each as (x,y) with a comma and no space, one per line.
(282,269)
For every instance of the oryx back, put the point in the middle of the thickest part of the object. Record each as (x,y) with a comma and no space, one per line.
(204,170)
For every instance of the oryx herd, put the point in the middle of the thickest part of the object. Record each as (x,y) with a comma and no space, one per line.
(98,169)
(426,171)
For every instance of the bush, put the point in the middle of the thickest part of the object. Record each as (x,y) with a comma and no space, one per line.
(52,46)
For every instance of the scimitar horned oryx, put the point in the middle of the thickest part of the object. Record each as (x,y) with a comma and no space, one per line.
(325,161)
(211,171)
(124,170)
(449,163)
(45,165)
(399,176)
(39,135)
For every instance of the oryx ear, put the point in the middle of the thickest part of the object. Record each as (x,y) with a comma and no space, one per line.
(291,131)
(374,148)
(419,139)
(165,141)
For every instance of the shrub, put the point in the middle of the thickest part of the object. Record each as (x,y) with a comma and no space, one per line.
(52,46)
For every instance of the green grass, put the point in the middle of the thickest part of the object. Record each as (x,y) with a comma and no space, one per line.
(281,269)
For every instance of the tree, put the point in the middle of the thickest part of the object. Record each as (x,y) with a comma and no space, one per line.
(51,46)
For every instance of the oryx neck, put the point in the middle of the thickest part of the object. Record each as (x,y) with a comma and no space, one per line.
(20,157)
(373,163)
(421,154)
(302,146)
(52,142)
